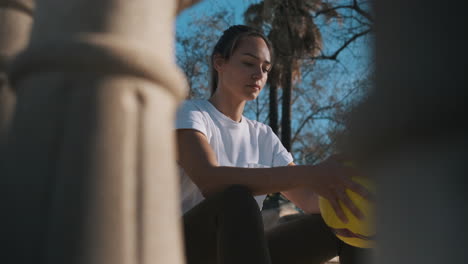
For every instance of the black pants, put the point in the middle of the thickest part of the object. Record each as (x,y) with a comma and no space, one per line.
(227,228)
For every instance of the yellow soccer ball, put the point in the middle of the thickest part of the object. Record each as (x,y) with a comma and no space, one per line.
(358,233)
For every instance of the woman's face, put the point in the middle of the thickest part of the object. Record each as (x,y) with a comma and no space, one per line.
(245,73)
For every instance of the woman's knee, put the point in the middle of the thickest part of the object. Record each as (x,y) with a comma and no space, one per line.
(238,189)
(239,196)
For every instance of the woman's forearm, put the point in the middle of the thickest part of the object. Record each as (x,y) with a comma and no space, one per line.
(303,198)
(329,178)
(258,180)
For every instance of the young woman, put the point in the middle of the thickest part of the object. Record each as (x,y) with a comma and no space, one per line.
(228,164)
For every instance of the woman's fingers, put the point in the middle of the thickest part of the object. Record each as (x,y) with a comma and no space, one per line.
(359,189)
(338,210)
(335,182)
(344,198)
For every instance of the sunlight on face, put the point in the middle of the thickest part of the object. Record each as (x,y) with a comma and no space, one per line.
(245,73)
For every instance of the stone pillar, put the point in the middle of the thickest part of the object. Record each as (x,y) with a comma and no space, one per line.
(411,133)
(90,173)
(15,26)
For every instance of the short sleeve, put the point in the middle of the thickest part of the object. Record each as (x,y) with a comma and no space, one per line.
(280,155)
(190,117)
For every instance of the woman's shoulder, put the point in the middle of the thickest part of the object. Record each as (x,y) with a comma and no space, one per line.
(190,115)
(191,109)
(259,126)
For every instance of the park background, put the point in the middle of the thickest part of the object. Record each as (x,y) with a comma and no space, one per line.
(324,66)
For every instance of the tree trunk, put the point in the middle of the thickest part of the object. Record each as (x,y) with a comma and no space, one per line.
(274,107)
(286,84)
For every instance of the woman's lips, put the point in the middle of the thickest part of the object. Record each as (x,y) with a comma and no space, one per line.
(254,86)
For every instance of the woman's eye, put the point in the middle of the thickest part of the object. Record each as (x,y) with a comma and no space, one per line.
(250,64)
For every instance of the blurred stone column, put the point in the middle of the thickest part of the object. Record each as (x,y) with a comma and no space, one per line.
(16,18)
(90,173)
(411,133)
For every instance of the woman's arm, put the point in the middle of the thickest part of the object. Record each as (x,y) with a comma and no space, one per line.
(303,198)
(198,160)
(327,179)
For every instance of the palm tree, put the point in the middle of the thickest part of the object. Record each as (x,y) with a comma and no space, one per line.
(293,33)
(290,26)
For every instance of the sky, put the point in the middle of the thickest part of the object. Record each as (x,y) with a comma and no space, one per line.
(352,61)
(355,59)
(207,6)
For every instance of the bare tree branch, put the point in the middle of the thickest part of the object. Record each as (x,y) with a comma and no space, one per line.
(310,117)
(328,10)
(346,44)
(355,6)
(314,114)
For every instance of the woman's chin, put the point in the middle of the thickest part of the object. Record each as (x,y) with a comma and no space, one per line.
(251,97)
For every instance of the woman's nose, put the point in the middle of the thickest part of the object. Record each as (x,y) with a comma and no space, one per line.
(257,75)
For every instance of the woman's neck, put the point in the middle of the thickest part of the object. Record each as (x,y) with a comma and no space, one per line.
(229,107)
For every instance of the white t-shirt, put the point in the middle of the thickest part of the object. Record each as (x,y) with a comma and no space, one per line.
(247,143)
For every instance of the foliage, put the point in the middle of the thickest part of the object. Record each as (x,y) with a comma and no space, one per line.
(323,68)
(331,73)
(193,50)
(295,28)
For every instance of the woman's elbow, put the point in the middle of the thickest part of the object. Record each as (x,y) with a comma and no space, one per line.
(205,181)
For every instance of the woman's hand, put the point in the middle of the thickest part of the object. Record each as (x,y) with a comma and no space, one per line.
(331,179)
